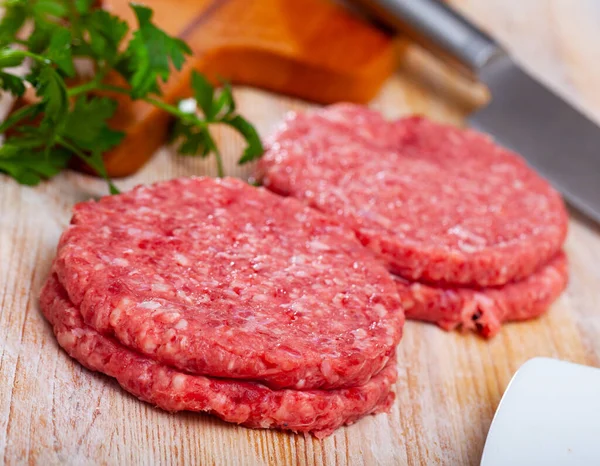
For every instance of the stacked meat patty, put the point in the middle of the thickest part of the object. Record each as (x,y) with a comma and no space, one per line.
(215,296)
(283,309)
(471,234)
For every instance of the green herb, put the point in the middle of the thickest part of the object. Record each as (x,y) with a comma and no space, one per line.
(217,107)
(69,121)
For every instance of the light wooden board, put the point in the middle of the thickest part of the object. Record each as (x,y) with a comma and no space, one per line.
(52,411)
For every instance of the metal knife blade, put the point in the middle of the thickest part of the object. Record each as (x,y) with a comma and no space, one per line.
(561,143)
(524,115)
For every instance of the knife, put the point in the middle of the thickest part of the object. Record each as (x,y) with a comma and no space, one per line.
(548,415)
(558,141)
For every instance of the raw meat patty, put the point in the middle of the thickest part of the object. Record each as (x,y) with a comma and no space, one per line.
(483,310)
(218,278)
(438,204)
(251,404)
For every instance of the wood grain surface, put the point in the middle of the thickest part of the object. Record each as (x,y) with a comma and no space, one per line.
(52,411)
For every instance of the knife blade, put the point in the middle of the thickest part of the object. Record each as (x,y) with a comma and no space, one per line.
(547,415)
(557,140)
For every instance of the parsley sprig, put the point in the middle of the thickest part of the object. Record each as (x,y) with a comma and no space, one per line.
(68,118)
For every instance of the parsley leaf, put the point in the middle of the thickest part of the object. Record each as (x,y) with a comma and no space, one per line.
(52,88)
(54,8)
(69,118)
(203,93)
(23,114)
(254,149)
(224,104)
(83,6)
(59,51)
(29,166)
(214,106)
(87,133)
(192,139)
(15,14)
(106,33)
(40,37)
(87,124)
(11,83)
(218,108)
(151,53)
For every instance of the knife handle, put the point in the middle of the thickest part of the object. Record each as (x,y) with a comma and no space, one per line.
(438,28)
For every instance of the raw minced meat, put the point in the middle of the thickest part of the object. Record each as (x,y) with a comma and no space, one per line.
(483,310)
(319,412)
(436,203)
(219,278)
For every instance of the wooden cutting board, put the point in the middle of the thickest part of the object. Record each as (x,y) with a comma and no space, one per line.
(316,50)
(52,411)
(312,49)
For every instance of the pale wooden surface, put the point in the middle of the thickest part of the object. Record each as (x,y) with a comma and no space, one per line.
(52,411)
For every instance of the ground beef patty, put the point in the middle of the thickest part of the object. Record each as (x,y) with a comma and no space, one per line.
(436,203)
(484,309)
(218,278)
(251,404)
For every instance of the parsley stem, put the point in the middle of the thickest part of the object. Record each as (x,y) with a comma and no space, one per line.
(74,21)
(165,106)
(82,89)
(18,115)
(35,56)
(94,85)
(173,110)
(220,168)
(97,166)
